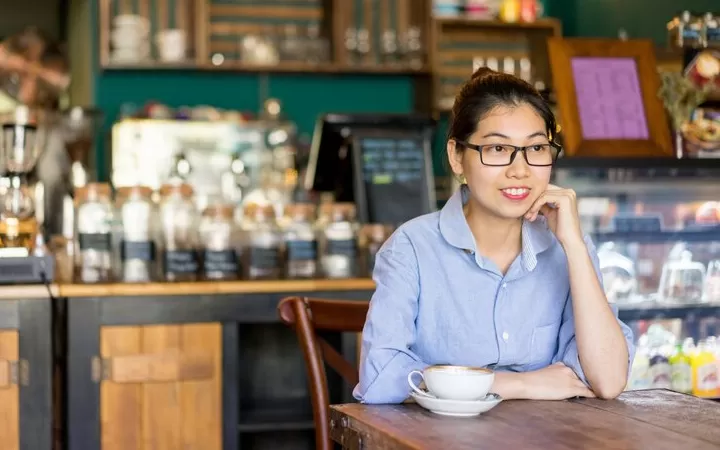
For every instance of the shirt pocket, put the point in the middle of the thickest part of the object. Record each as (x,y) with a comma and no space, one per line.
(543,345)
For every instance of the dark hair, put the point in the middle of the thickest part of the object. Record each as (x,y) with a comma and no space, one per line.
(488,89)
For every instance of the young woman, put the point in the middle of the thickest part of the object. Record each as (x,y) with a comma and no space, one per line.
(502,277)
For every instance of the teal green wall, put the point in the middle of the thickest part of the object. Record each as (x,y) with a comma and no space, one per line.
(306,96)
(303,97)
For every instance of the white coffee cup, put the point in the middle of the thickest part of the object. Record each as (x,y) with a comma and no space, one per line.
(454,382)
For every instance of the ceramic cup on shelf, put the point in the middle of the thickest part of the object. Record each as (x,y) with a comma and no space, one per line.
(171,45)
(454,382)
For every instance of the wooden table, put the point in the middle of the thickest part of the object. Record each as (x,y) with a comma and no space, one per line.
(652,419)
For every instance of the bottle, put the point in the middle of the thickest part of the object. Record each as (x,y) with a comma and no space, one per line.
(640,372)
(704,372)
(680,368)
(660,375)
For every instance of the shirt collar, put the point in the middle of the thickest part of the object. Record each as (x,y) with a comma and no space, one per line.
(536,237)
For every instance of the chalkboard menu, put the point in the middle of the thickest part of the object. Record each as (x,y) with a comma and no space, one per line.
(393,177)
(380,162)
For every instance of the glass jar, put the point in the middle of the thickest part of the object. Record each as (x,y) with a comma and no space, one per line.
(179,218)
(93,231)
(300,241)
(220,259)
(264,243)
(338,255)
(136,211)
(372,236)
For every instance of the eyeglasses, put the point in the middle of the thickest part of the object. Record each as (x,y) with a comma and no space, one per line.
(540,155)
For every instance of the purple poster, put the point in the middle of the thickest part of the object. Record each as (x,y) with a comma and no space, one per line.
(609,98)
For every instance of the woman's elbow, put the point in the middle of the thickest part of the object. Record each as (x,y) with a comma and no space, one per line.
(609,389)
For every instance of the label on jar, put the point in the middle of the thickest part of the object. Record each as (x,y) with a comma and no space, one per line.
(138,250)
(301,250)
(220,261)
(94,241)
(180,261)
(345,247)
(264,257)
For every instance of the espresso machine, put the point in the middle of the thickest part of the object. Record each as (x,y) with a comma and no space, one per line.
(23,254)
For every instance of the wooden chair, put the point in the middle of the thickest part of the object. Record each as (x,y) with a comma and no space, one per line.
(307,316)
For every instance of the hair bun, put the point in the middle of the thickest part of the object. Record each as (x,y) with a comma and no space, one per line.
(482,73)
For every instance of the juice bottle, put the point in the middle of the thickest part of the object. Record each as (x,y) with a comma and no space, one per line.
(660,375)
(640,372)
(680,369)
(705,376)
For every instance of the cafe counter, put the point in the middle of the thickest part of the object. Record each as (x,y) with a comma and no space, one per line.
(190,365)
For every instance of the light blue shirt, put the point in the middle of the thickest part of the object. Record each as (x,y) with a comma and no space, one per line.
(437,301)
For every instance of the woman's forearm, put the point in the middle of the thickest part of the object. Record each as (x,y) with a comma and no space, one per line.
(554,382)
(601,345)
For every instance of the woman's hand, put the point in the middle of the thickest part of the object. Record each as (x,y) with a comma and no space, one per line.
(555,382)
(559,206)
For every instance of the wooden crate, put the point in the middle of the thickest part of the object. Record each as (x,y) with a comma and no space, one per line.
(459,45)
(161,15)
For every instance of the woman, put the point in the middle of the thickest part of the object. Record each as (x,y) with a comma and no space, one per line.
(501,277)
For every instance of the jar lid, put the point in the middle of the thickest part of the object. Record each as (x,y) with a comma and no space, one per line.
(258,211)
(92,192)
(376,232)
(300,210)
(223,210)
(184,190)
(339,210)
(134,191)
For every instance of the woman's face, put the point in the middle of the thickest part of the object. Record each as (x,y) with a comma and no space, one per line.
(508,191)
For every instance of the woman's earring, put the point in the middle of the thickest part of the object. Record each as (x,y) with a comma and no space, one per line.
(461,178)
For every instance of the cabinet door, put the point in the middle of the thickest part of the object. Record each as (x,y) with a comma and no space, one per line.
(162,387)
(9,391)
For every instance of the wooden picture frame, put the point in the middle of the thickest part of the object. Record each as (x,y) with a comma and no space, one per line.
(603,73)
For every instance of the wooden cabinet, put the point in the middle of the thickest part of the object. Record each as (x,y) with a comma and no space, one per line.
(161,387)
(9,390)
(26,413)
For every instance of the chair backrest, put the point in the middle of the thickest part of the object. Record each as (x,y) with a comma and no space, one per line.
(307,316)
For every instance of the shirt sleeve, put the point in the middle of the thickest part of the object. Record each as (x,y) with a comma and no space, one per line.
(389,332)
(567,346)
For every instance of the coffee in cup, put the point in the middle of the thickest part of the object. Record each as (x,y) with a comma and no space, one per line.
(454,382)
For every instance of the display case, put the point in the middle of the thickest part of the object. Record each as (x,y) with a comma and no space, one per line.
(644,217)
(656,226)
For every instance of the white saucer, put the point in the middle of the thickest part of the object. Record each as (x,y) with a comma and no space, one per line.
(457,408)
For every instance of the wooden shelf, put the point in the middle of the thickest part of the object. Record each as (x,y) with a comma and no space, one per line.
(286,416)
(328,68)
(541,24)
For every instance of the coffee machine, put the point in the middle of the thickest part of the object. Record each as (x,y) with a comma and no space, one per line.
(23,255)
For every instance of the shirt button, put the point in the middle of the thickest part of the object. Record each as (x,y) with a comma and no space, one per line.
(504,285)
(506,336)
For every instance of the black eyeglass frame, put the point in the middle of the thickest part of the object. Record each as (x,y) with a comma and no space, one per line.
(516,150)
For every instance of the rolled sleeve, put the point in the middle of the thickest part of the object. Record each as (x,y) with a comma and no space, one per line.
(389,332)
(567,346)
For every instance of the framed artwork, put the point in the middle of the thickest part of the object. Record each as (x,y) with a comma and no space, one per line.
(607,97)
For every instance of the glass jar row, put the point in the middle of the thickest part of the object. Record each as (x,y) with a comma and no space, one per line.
(134,239)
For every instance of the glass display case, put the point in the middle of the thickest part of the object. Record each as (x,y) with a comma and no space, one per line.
(656,225)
